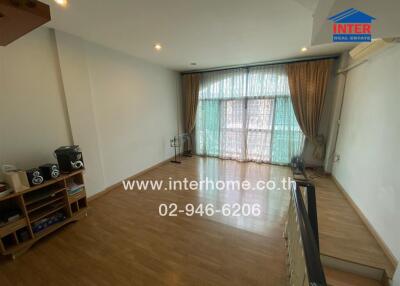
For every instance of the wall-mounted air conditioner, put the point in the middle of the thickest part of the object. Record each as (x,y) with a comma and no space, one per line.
(364,50)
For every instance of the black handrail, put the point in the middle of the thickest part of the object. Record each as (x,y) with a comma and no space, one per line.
(309,232)
(311,207)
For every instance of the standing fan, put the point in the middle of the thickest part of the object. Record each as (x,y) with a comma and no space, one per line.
(187,141)
(176,144)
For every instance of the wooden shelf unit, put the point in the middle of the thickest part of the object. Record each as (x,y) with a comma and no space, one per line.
(35,205)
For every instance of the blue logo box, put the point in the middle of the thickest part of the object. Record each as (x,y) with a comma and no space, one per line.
(351,38)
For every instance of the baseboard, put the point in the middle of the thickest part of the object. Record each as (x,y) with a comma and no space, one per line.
(119,184)
(369,226)
(98,195)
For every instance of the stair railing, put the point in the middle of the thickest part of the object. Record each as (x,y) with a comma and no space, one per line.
(305,267)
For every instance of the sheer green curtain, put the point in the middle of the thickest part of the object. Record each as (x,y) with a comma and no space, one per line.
(247,115)
(207,128)
(287,139)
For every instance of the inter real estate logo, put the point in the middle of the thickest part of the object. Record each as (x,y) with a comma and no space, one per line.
(351,26)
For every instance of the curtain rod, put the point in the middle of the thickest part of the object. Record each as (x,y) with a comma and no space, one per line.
(293,60)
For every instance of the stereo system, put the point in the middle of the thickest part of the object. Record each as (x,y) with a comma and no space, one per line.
(50,171)
(35,177)
(69,158)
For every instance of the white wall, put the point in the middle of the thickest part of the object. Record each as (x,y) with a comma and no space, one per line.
(33,120)
(337,97)
(61,90)
(136,111)
(369,143)
(80,107)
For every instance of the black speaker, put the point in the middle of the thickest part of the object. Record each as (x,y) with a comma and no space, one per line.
(35,177)
(50,171)
(69,158)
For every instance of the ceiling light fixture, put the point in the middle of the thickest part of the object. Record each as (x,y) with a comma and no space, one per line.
(62,3)
(158,47)
(193,64)
(304,49)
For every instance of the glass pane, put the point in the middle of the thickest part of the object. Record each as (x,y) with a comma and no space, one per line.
(229,84)
(232,131)
(259,146)
(260,114)
(233,113)
(232,143)
(268,81)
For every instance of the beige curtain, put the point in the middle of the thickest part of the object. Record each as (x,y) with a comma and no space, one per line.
(190,95)
(307,83)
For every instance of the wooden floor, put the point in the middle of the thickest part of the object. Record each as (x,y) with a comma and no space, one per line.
(124,241)
(343,234)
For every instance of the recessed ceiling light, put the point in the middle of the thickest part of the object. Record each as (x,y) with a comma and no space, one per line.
(193,64)
(158,47)
(304,49)
(62,3)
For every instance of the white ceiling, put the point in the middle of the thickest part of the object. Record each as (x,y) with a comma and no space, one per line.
(212,33)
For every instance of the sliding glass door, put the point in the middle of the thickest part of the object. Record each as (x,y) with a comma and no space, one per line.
(247,115)
(232,129)
(260,116)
